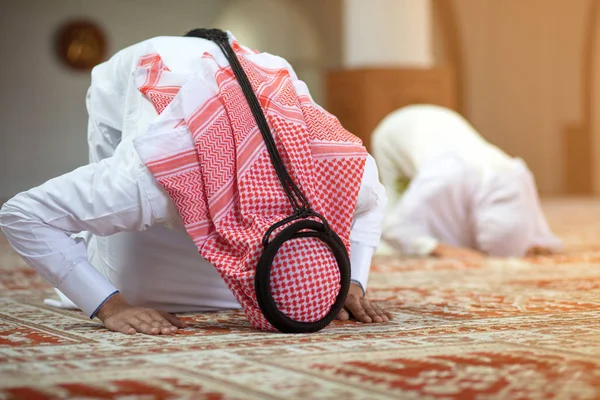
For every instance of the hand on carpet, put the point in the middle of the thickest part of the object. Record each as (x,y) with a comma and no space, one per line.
(538,251)
(459,253)
(118,316)
(361,308)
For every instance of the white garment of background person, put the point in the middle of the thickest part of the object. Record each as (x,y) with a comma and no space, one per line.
(463,191)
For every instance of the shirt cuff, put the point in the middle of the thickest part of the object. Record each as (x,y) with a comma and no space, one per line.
(101,304)
(360,262)
(87,288)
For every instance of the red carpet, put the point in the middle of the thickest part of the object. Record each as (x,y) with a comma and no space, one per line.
(510,329)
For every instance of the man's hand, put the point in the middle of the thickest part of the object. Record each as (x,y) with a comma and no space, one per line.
(118,316)
(538,251)
(361,308)
(459,253)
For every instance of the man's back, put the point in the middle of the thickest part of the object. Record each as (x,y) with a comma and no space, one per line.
(116,107)
(136,261)
(417,134)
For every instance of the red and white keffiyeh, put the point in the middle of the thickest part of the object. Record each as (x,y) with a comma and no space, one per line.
(214,164)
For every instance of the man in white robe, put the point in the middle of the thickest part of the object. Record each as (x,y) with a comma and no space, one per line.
(453,194)
(138,262)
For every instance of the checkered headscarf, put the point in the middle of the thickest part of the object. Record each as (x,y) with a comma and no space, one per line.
(222,180)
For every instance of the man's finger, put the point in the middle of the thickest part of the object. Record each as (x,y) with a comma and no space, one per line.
(173,319)
(152,326)
(144,316)
(144,327)
(125,328)
(380,312)
(160,319)
(155,320)
(343,315)
(158,323)
(366,304)
(166,328)
(355,308)
(387,314)
(381,317)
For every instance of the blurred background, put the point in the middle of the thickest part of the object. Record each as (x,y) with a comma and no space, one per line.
(524,72)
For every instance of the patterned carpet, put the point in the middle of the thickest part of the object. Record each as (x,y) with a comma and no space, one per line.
(511,329)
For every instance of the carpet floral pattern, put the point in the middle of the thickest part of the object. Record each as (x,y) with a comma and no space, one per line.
(510,329)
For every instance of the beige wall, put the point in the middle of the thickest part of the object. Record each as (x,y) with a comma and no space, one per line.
(387,33)
(594,94)
(43,113)
(521,76)
(520,69)
(302,35)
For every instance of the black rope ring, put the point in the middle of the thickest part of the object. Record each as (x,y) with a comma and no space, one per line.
(268,306)
(304,228)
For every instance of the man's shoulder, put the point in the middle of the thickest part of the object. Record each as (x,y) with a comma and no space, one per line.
(126,58)
(152,45)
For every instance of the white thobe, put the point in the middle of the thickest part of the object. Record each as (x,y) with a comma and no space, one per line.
(463,191)
(136,242)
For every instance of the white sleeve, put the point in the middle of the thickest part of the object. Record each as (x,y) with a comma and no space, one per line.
(366,226)
(430,199)
(113,195)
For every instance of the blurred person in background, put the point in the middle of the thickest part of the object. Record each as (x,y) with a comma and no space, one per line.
(453,194)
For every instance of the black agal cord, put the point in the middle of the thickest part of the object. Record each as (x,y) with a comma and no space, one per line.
(304,227)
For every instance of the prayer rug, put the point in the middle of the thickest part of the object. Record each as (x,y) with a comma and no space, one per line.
(510,329)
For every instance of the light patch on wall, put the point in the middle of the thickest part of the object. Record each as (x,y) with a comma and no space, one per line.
(285,30)
(43,110)
(521,71)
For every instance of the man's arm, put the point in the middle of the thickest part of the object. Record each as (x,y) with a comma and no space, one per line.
(364,239)
(366,224)
(113,195)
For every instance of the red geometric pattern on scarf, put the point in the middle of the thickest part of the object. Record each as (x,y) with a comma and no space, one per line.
(160,96)
(231,196)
